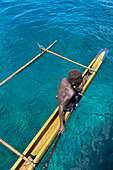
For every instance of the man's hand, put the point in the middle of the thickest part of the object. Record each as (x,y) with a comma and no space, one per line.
(82,92)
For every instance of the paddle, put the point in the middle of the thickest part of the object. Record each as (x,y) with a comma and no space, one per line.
(52,151)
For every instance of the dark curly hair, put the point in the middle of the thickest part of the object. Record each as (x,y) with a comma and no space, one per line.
(75,77)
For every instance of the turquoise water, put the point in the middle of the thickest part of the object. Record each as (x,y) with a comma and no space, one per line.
(82,29)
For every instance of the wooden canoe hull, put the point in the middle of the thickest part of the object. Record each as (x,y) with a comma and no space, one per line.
(47,134)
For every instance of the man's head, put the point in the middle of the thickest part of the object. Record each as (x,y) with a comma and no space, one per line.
(75,77)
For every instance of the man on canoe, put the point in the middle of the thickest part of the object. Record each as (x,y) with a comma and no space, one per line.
(67,90)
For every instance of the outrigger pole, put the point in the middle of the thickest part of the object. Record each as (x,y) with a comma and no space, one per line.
(18,153)
(26,65)
(42,48)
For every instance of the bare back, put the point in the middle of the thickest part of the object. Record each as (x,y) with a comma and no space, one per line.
(65,92)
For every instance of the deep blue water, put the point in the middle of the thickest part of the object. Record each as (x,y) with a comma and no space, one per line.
(82,29)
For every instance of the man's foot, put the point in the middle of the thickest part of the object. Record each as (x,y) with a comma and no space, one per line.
(61,130)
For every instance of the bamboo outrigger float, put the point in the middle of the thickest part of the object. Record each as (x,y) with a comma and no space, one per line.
(45,137)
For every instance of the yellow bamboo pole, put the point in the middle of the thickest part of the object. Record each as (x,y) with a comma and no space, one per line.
(68,59)
(26,65)
(18,153)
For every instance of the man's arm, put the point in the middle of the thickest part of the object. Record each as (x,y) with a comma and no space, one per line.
(65,100)
(83,83)
(61,107)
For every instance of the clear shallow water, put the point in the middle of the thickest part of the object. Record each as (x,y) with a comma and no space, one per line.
(26,101)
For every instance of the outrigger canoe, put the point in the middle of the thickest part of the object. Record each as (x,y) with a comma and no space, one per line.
(47,134)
